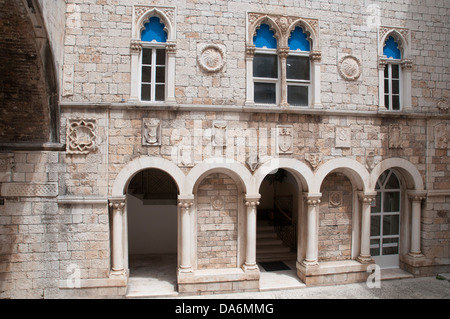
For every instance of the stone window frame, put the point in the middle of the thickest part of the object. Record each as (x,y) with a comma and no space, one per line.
(283,25)
(142,15)
(402,37)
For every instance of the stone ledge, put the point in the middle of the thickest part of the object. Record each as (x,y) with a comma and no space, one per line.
(119,281)
(217,275)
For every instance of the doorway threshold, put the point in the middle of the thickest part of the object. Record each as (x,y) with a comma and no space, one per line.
(152,276)
(280,279)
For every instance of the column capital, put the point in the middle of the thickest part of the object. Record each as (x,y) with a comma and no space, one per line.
(417,195)
(312,199)
(283,52)
(250,50)
(171,47)
(315,56)
(116,202)
(367,197)
(135,46)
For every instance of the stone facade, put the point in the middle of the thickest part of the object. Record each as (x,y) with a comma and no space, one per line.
(63,211)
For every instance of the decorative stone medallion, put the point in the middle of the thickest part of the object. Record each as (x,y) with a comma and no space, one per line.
(211,58)
(253,161)
(151,131)
(335,199)
(285,139)
(217,202)
(81,136)
(349,68)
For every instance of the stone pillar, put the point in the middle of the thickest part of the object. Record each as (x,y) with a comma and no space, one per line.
(416,199)
(283,53)
(185,206)
(316,58)
(249,55)
(117,205)
(135,51)
(312,201)
(406,65)
(171,61)
(250,254)
(366,202)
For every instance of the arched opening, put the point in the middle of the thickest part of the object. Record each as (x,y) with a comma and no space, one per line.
(152,227)
(385,220)
(277,221)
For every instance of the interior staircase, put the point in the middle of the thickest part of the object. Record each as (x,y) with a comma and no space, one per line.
(268,246)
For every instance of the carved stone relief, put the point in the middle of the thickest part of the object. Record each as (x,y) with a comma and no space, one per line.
(343,137)
(29,190)
(211,58)
(6,166)
(441,136)
(335,199)
(81,136)
(253,161)
(217,202)
(349,68)
(219,133)
(151,131)
(314,159)
(370,159)
(395,136)
(285,139)
(185,156)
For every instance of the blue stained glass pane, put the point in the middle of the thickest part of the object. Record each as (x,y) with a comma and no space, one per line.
(265,38)
(391,49)
(299,40)
(154,30)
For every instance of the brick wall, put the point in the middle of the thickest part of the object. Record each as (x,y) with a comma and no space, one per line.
(335,218)
(217,222)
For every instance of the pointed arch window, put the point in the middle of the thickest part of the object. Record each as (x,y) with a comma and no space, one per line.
(392,76)
(265,66)
(153,61)
(394,69)
(298,68)
(153,51)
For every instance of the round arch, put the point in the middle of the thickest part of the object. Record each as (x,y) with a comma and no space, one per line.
(355,171)
(409,172)
(301,172)
(238,172)
(131,169)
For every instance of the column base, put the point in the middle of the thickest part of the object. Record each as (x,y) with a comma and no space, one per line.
(416,254)
(117,273)
(309,263)
(365,260)
(185,270)
(250,267)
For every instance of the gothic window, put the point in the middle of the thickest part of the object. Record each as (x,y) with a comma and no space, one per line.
(392,78)
(153,52)
(153,61)
(265,66)
(298,69)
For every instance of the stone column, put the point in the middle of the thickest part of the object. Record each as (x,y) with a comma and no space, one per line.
(171,61)
(283,53)
(316,58)
(117,205)
(135,50)
(366,202)
(312,201)
(185,206)
(406,65)
(416,199)
(250,254)
(249,55)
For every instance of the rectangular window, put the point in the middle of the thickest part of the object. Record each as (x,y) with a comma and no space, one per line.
(153,74)
(298,74)
(265,77)
(392,86)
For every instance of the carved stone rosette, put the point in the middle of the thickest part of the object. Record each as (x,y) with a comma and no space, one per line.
(349,67)
(81,136)
(211,58)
